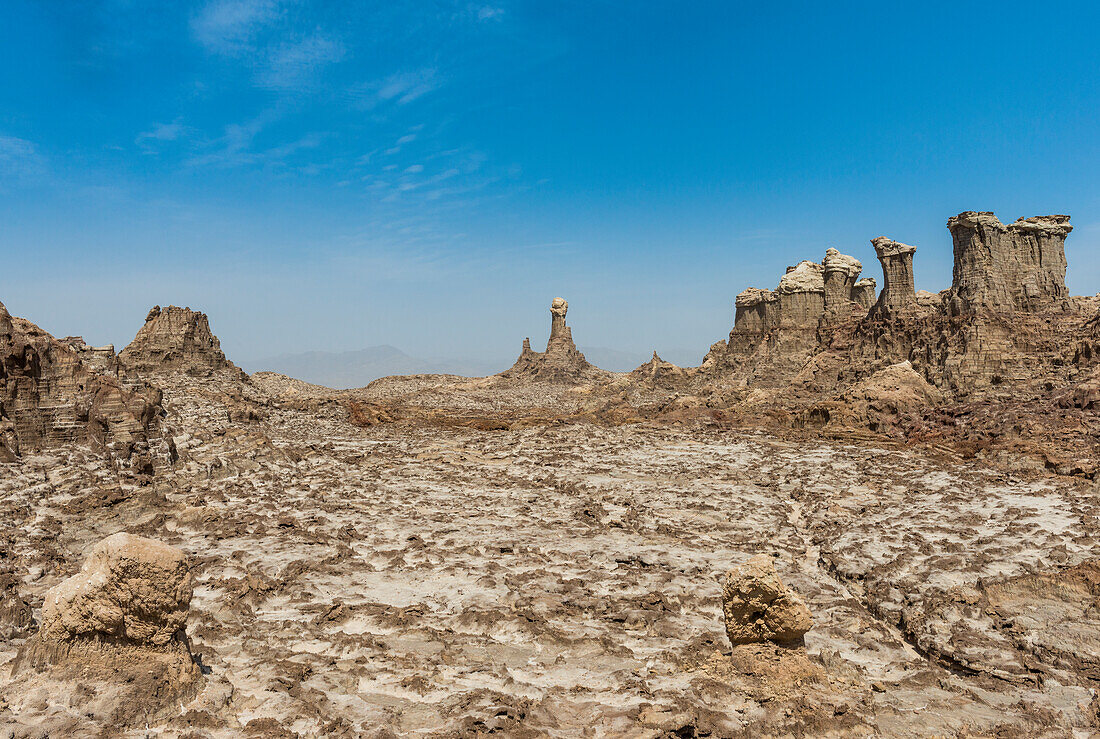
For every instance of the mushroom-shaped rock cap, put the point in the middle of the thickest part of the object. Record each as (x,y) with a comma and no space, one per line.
(885,247)
(1053,224)
(129,587)
(759,607)
(559,307)
(837,262)
(804,277)
(753,296)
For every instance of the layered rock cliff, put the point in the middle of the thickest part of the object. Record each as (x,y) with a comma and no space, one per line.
(49,396)
(1019,267)
(175,339)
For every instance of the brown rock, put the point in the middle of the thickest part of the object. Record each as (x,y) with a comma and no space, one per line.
(1019,267)
(841,273)
(49,396)
(759,607)
(130,588)
(175,339)
(561,363)
(898,293)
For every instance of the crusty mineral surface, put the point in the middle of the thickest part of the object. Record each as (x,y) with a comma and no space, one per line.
(130,588)
(759,607)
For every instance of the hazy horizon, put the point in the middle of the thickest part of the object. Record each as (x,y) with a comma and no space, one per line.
(332,177)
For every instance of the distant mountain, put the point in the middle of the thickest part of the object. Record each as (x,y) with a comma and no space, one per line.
(342,370)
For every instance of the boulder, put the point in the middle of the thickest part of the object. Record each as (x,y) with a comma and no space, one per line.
(130,588)
(759,607)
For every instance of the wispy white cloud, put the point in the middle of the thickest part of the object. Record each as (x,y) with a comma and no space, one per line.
(159,133)
(488,13)
(398,89)
(294,64)
(229,26)
(19,159)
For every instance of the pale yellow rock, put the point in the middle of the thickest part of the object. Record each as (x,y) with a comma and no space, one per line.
(759,607)
(129,587)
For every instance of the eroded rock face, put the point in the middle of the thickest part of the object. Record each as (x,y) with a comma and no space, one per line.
(1018,267)
(757,311)
(562,362)
(175,339)
(759,607)
(117,627)
(16,615)
(898,293)
(49,396)
(841,273)
(864,292)
(130,588)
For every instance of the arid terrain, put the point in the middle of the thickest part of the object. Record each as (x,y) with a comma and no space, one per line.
(544,552)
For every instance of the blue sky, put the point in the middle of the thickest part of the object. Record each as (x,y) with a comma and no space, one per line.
(429,174)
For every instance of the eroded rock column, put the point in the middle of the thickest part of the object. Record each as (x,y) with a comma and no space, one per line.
(1019,267)
(841,272)
(864,291)
(802,296)
(757,311)
(896,258)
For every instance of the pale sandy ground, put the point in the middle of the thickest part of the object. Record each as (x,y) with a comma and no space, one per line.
(564,581)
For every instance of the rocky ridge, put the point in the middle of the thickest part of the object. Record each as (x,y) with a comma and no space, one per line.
(175,339)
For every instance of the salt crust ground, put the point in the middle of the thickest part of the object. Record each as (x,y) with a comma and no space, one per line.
(565,581)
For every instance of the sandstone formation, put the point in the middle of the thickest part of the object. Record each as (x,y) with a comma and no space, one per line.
(864,292)
(119,624)
(775,333)
(562,362)
(898,293)
(175,339)
(841,273)
(49,396)
(1019,267)
(759,607)
(130,588)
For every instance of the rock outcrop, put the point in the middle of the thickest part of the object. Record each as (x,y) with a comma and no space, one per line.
(16,614)
(1019,267)
(775,332)
(759,607)
(898,292)
(864,292)
(841,273)
(49,397)
(175,340)
(118,624)
(561,363)
(130,589)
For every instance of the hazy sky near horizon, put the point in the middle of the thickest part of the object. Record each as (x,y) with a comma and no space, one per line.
(430,174)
